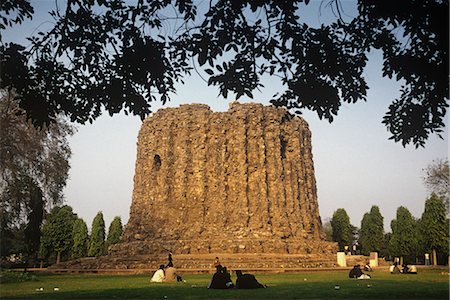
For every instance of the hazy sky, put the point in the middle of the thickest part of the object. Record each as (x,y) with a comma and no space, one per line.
(356,165)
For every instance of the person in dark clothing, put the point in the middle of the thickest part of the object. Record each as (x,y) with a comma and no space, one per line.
(247,281)
(170,263)
(228,282)
(221,279)
(355,272)
(405,269)
(217,265)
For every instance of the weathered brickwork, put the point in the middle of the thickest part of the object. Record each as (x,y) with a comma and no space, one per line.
(240,181)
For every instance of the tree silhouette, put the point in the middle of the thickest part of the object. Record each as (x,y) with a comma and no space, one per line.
(116,55)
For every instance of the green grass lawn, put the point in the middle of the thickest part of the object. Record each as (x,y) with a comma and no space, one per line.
(428,284)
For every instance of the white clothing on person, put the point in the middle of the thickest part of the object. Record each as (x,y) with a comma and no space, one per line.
(158,276)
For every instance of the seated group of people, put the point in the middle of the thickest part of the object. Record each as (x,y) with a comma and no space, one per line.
(394,269)
(222,280)
(166,273)
(358,274)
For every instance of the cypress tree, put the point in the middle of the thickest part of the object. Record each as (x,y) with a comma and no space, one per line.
(364,234)
(80,239)
(114,232)
(404,241)
(433,226)
(342,229)
(372,232)
(97,239)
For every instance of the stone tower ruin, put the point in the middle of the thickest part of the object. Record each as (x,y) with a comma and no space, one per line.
(240,181)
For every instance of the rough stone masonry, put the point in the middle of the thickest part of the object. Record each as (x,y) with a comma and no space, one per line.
(240,181)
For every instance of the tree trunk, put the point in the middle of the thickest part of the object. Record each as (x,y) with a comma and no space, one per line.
(42,264)
(434,258)
(58,257)
(401,261)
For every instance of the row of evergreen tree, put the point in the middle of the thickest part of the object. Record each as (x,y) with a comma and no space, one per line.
(66,236)
(410,238)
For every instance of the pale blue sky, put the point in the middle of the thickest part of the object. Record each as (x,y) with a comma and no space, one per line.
(356,165)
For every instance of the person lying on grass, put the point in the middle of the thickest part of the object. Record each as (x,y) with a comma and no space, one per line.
(247,281)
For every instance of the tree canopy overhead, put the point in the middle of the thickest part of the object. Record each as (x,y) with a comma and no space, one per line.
(119,56)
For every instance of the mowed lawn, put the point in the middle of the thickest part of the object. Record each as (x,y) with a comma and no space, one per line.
(428,284)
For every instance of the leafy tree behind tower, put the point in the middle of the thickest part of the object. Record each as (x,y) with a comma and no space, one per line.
(80,238)
(57,232)
(433,227)
(371,235)
(114,232)
(404,240)
(342,229)
(97,238)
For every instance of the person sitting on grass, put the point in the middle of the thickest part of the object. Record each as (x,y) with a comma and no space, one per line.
(409,270)
(405,268)
(159,275)
(247,281)
(357,273)
(412,270)
(394,269)
(221,279)
(171,275)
